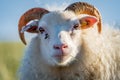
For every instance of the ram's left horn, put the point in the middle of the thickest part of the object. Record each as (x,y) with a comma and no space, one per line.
(85,8)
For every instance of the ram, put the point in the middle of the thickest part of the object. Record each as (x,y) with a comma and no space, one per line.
(70,45)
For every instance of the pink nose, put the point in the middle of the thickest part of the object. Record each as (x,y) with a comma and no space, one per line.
(60,46)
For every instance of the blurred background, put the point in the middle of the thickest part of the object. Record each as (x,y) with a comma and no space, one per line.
(11,49)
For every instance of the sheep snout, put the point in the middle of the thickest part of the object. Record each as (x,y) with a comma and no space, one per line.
(61,49)
(60,46)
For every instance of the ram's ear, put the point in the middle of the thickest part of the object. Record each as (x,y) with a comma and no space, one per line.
(31,26)
(88,21)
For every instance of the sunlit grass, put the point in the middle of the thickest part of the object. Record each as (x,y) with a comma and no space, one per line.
(10,56)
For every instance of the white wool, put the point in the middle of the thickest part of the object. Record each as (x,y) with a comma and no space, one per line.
(100,59)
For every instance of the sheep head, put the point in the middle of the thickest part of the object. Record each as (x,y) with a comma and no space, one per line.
(60,32)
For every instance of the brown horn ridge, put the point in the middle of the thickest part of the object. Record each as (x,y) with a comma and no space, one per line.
(34,13)
(85,8)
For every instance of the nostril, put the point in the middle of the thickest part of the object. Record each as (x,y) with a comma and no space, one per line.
(64,46)
(56,47)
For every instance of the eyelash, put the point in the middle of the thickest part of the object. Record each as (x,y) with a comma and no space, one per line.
(42,30)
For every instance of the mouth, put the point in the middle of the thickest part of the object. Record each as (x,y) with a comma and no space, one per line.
(61,57)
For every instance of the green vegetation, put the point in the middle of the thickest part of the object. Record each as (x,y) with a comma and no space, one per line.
(10,56)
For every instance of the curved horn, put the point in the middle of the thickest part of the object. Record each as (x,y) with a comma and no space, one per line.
(34,13)
(85,8)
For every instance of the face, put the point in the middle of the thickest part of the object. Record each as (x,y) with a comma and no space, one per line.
(60,38)
(60,35)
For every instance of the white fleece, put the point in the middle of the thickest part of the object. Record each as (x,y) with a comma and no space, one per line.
(98,58)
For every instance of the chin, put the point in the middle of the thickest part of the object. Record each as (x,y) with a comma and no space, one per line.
(64,61)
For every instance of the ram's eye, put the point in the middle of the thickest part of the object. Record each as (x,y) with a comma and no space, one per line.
(76,26)
(41,30)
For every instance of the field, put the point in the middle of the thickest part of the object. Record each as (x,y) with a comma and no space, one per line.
(10,56)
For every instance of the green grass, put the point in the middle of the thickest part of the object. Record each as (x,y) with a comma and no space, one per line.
(10,56)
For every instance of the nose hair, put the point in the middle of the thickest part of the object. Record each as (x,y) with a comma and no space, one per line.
(60,46)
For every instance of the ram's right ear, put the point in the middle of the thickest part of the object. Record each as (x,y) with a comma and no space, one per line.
(29,21)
